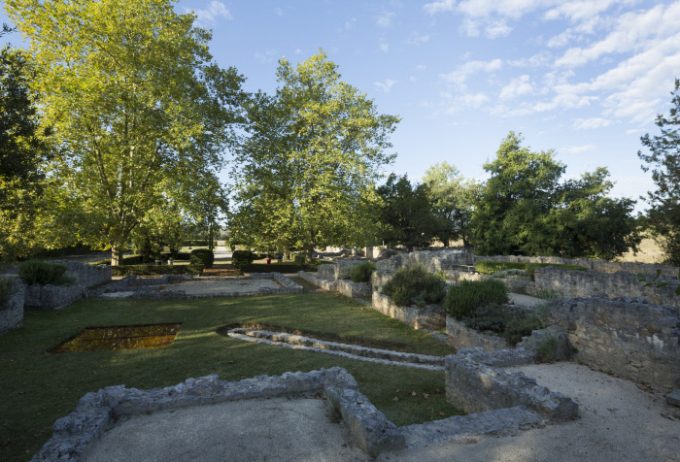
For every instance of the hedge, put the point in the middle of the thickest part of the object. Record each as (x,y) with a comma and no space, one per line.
(414,285)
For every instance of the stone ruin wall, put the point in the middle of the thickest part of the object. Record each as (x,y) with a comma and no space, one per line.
(635,341)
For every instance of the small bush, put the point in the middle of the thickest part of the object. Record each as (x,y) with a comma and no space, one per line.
(300,259)
(362,272)
(546,352)
(241,258)
(41,272)
(414,285)
(204,257)
(463,299)
(520,325)
(505,320)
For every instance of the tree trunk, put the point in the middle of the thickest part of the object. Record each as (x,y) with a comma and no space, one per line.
(211,242)
(116,255)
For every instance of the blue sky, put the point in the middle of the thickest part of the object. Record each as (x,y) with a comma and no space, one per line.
(585,78)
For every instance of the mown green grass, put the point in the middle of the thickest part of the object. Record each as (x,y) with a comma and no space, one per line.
(38,387)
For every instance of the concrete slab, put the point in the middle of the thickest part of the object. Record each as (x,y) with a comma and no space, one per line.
(277,429)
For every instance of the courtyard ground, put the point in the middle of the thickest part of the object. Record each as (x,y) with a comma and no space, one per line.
(38,386)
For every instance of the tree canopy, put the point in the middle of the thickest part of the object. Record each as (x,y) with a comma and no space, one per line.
(135,101)
(306,173)
(525,209)
(663,159)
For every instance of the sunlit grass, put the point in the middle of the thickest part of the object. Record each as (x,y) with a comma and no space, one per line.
(38,386)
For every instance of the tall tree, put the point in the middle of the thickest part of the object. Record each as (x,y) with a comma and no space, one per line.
(452,198)
(306,172)
(134,97)
(23,152)
(525,209)
(406,214)
(663,159)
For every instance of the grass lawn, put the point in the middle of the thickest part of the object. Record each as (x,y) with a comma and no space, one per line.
(38,387)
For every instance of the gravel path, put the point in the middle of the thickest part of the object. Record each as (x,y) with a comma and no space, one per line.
(619,423)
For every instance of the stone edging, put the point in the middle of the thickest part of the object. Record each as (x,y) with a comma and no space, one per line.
(347,350)
(99,411)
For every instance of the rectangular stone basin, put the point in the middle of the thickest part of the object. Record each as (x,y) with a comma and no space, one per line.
(121,338)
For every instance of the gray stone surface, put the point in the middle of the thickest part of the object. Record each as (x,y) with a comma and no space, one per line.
(241,431)
(370,429)
(563,350)
(427,317)
(353,289)
(12,311)
(673,398)
(476,387)
(97,412)
(461,336)
(315,279)
(345,350)
(635,341)
(507,421)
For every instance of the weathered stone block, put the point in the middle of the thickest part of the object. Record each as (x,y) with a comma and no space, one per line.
(48,297)
(12,310)
(427,317)
(353,289)
(475,387)
(460,336)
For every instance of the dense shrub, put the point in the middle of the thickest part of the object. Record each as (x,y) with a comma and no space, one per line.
(151,270)
(241,258)
(362,272)
(41,272)
(414,285)
(204,257)
(300,259)
(463,299)
(511,323)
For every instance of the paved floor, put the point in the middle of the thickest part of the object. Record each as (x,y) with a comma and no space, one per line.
(241,431)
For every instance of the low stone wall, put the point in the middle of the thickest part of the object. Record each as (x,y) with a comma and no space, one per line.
(636,341)
(353,289)
(318,281)
(476,387)
(460,336)
(12,310)
(428,317)
(86,275)
(98,412)
(602,266)
(571,284)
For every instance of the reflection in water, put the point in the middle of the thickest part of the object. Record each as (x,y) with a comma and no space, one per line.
(121,338)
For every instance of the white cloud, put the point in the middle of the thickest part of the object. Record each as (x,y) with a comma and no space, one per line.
(214,11)
(439,6)
(460,75)
(580,149)
(384,47)
(497,29)
(348,25)
(267,57)
(418,39)
(385,19)
(591,123)
(517,87)
(385,85)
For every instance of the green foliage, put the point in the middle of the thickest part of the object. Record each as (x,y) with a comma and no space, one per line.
(153,270)
(241,258)
(41,272)
(546,352)
(663,160)
(137,103)
(362,272)
(6,290)
(414,285)
(491,267)
(524,209)
(406,215)
(300,259)
(306,173)
(23,152)
(463,299)
(204,257)
(507,321)
(452,201)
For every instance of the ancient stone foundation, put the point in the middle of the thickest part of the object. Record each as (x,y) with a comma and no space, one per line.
(426,317)
(635,341)
(12,310)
